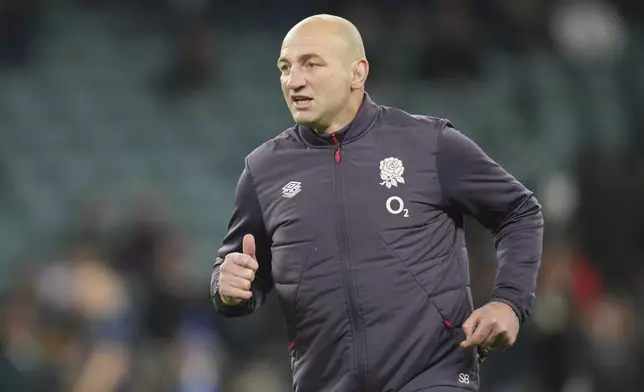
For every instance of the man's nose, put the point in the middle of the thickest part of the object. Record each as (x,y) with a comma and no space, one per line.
(296,80)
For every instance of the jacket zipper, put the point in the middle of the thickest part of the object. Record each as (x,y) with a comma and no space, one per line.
(347,278)
(338,157)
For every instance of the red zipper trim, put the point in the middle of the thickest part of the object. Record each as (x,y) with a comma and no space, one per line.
(338,157)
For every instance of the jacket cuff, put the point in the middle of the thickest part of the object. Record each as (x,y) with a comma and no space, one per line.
(239,310)
(522,316)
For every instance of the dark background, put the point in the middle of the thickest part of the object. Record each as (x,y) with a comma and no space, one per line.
(123,128)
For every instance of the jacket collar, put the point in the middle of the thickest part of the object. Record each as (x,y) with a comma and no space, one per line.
(361,123)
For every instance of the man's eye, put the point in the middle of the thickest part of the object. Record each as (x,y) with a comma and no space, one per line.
(311,65)
(284,68)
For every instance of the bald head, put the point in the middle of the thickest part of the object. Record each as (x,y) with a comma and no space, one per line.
(330,27)
(323,70)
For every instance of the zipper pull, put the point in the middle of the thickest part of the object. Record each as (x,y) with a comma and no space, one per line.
(338,157)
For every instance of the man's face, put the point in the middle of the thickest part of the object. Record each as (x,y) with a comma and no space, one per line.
(315,76)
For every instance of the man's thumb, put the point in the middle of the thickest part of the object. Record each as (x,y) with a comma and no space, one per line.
(248,245)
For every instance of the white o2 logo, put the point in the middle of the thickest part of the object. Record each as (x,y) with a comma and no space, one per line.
(395,201)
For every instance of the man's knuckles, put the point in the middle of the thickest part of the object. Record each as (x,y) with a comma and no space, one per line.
(244,284)
(231,280)
(497,323)
(237,258)
(234,291)
(245,261)
(237,261)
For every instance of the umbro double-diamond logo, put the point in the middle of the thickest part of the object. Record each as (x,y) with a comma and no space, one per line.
(291,189)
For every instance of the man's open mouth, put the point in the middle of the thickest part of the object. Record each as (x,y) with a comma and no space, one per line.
(301,100)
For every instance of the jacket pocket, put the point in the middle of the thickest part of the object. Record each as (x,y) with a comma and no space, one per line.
(454,306)
(289,263)
(289,260)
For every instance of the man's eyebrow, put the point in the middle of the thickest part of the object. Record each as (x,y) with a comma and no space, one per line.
(309,56)
(301,58)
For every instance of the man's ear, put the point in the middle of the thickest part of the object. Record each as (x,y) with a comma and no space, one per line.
(359,74)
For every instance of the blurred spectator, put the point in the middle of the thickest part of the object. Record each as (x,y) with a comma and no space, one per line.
(632,10)
(560,297)
(89,291)
(168,295)
(26,357)
(588,31)
(139,243)
(610,355)
(606,179)
(201,356)
(519,26)
(453,50)
(153,257)
(19,26)
(91,224)
(190,68)
(259,375)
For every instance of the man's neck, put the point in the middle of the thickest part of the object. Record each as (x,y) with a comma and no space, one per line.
(345,117)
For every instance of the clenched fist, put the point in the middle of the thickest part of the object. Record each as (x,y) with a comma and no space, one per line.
(237,272)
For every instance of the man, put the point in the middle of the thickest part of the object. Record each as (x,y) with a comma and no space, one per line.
(354,216)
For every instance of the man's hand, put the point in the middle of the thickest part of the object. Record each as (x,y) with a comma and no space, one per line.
(494,326)
(237,272)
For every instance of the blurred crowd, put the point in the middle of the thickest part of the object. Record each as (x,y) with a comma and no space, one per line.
(113,306)
(111,310)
